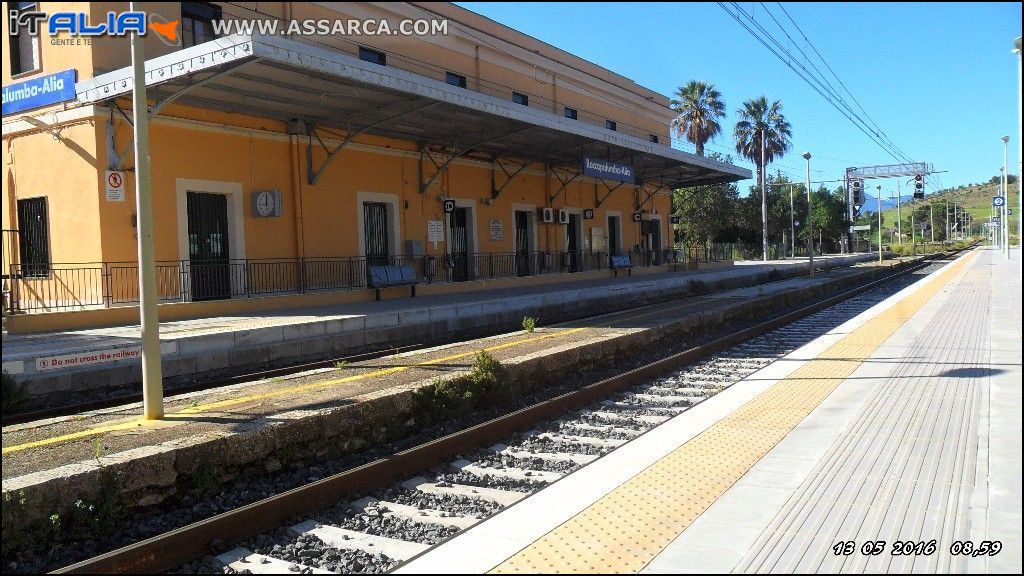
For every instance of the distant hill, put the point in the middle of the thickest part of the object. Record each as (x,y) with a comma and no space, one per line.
(870,203)
(977,199)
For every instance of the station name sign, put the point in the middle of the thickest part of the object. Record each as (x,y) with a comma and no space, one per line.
(39,92)
(606,170)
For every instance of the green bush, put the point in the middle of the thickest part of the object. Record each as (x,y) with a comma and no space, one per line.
(487,382)
(15,399)
(529,324)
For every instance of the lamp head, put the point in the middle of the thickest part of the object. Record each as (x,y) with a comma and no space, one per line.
(1005,139)
(807,155)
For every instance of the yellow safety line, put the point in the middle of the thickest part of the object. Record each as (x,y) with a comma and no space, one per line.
(272,394)
(74,435)
(629,526)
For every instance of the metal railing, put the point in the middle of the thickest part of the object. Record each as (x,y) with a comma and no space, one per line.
(9,248)
(729,251)
(110,284)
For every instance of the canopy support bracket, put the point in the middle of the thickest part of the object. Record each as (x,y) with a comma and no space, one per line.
(312,176)
(458,153)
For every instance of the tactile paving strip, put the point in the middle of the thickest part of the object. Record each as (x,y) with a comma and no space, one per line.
(626,529)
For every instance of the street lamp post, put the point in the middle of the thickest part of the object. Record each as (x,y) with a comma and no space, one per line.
(152,371)
(792,225)
(931,221)
(878,203)
(1000,210)
(913,236)
(810,223)
(899,214)
(1006,221)
(764,205)
(1020,157)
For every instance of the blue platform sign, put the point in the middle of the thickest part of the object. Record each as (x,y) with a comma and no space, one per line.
(606,170)
(39,92)
(998,200)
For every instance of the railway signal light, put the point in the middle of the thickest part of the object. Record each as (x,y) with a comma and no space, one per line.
(918,186)
(858,193)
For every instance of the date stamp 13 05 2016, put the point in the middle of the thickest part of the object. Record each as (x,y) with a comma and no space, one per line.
(916,548)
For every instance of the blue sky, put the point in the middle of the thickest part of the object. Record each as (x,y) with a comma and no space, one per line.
(938,78)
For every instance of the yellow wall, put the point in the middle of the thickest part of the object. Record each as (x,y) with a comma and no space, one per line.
(329,210)
(511,61)
(62,171)
(86,227)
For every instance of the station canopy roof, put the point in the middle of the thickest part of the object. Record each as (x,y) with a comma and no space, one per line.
(282,79)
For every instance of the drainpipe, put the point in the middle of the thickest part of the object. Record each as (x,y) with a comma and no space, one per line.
(554,93)
(547,202)
(14,248)
(476,66)
(293,142)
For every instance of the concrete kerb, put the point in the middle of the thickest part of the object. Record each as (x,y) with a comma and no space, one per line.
(160,473)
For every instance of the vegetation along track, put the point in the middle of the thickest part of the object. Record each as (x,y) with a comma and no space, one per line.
(372,518)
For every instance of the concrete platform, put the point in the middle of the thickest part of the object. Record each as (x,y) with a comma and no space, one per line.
(260,427)
(81,365)
(903,424)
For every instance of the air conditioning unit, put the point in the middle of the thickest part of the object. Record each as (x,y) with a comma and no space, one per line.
(546,215)
(563,216)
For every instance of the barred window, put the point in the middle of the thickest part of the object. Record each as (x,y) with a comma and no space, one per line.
(34,237)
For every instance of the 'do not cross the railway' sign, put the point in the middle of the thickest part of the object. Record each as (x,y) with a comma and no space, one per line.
(114,186)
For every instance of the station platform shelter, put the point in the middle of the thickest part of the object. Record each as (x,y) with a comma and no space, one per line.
(292,165)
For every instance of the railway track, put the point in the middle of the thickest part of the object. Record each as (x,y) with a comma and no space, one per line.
(373,518)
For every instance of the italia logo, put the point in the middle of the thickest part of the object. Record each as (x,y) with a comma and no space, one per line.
(78,24)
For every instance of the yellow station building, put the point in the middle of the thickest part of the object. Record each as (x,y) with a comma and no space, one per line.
(285,164)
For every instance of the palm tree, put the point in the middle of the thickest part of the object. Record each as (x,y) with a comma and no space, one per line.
(762,123)
(698,106)
(757,118)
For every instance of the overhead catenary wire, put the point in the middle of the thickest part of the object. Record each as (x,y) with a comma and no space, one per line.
(787,58)
(823,88)
(834,75)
